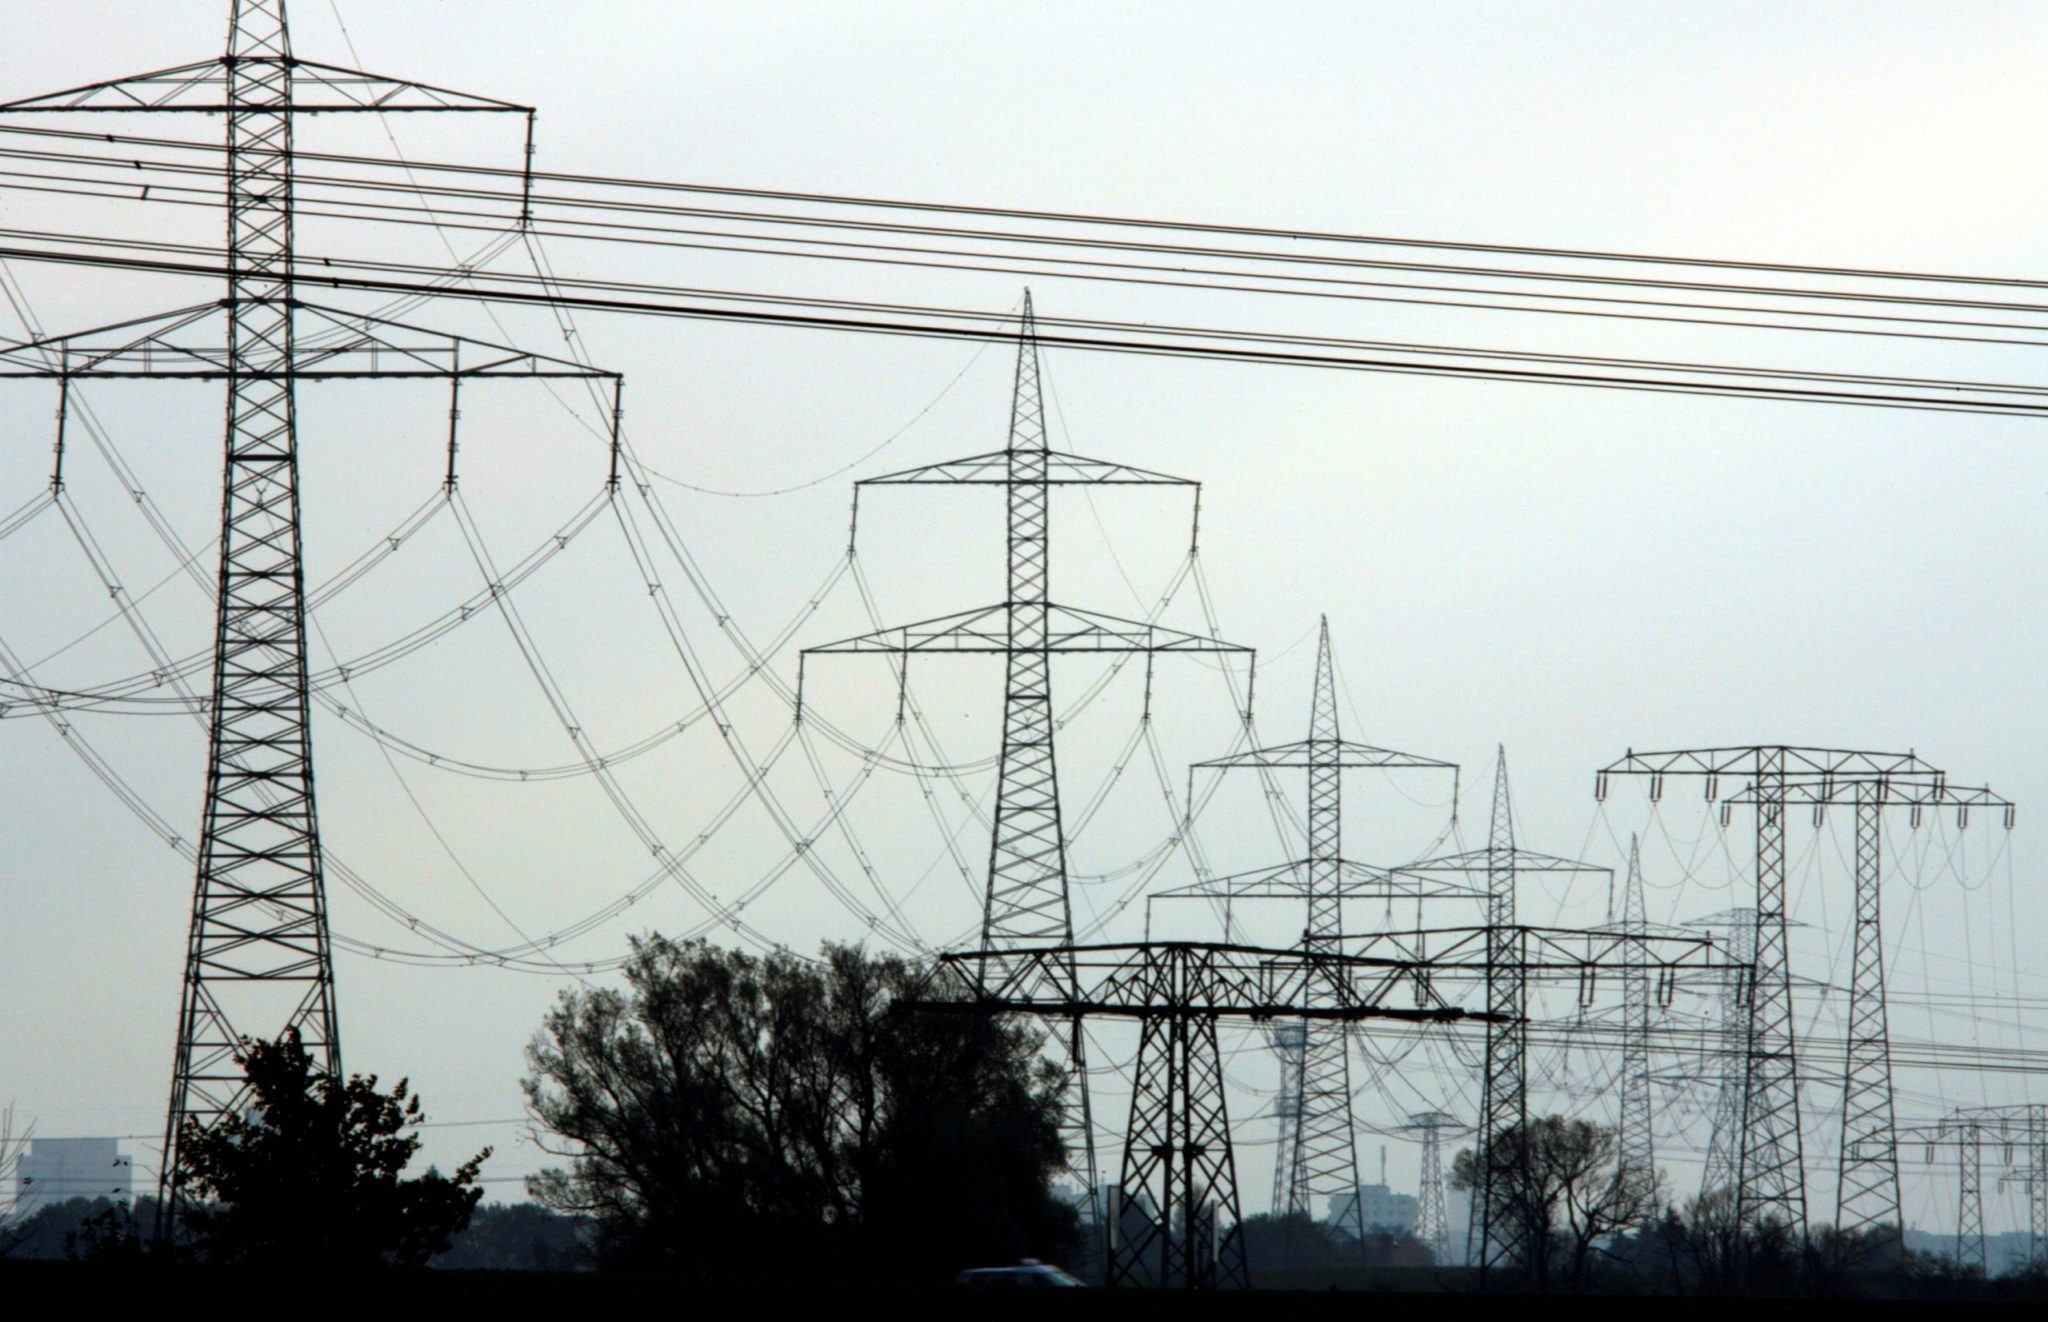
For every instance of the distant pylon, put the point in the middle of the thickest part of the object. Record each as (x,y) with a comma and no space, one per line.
(1432,1211)
(1026,902)
(1497,1232)
(1317,1155)
(1724,1140)
(1637,1149)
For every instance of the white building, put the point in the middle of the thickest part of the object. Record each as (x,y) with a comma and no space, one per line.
(1381,1209)
(55,1170)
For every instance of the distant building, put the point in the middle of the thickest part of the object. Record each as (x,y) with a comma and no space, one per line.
(1380,1207)
(55,1170)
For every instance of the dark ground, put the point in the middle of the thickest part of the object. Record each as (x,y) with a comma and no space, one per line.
(45,1283)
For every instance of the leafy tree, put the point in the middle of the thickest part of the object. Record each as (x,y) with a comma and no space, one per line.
(768,1114)
(311,1172)
(1558,1187)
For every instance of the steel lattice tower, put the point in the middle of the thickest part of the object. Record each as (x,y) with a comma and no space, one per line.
(1724,1139)
(1317,1155)
(1504,1097)
(1496,1233)
(1637,1151)
(1770,1180)
(1968,1137)
(1867,1194)
(1177,1151)
(259,957)
(1432,1212)
(1026,903)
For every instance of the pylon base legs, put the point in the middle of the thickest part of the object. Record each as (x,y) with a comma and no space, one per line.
(1176,1219)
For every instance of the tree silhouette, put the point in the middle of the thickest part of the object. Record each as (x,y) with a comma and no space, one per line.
(311,1172)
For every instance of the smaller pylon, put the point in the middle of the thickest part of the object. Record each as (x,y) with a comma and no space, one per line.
(1637,1150)
(1432,1209)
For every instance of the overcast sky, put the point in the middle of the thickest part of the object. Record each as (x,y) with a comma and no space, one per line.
(1569,573)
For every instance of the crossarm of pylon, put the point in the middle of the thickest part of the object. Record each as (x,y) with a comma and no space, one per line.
(1885,794)
(192,344)
(1328,753)
(1291,881)
(1492,860)
(203,88)
(1256,982)
(1747,762)
(1543,952)
(993,469)
(1067,630)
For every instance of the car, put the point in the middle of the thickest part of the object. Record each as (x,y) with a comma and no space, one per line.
(1029,1272)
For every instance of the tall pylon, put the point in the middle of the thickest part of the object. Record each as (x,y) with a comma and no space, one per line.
(1770,1180)
(1498,1234)
(1867,1192)
(1026,903)
(1636,1155)
(259,957)
(1317,1155)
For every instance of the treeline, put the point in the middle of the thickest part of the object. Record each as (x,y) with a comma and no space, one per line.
(499,1236)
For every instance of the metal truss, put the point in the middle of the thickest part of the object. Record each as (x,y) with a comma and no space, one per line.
(259,957)
(1432,1212)
(1724,1141)
(1770,1175)
(2020,1132)
(1317,1153)
(1497,1237)
(1636,1156)
(1867,1195)
(1179,990)
(1027,899)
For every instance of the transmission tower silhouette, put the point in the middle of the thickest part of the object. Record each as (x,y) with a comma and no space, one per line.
(1432,1208)
(1867,1194)
(1318,1151)
(1724,1136)
(1770,1180)
(1636,1146)
(259,958)
(1497,1234)
(1027,903)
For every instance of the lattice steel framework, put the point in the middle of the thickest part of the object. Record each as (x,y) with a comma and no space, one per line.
(1178,1178)
(258,956)
(1867,1193)
(1636,1154)
(1498,1238)
(1432,1211)
(1724,1141)
(1770,1180)
(1317,1154)
(1027,900)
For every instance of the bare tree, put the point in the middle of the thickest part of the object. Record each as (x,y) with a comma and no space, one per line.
(1558,1184)
(11,1149)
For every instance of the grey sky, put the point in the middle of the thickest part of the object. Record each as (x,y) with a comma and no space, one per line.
(1569,573)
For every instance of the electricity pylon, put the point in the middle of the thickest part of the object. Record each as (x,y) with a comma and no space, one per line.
(1636,1155)
(1867,1195)
(1318,1149)
(1432,1211)
(1724,1140)
(1497,1234)
(259,957)
(1770,1178)
(1027,902)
